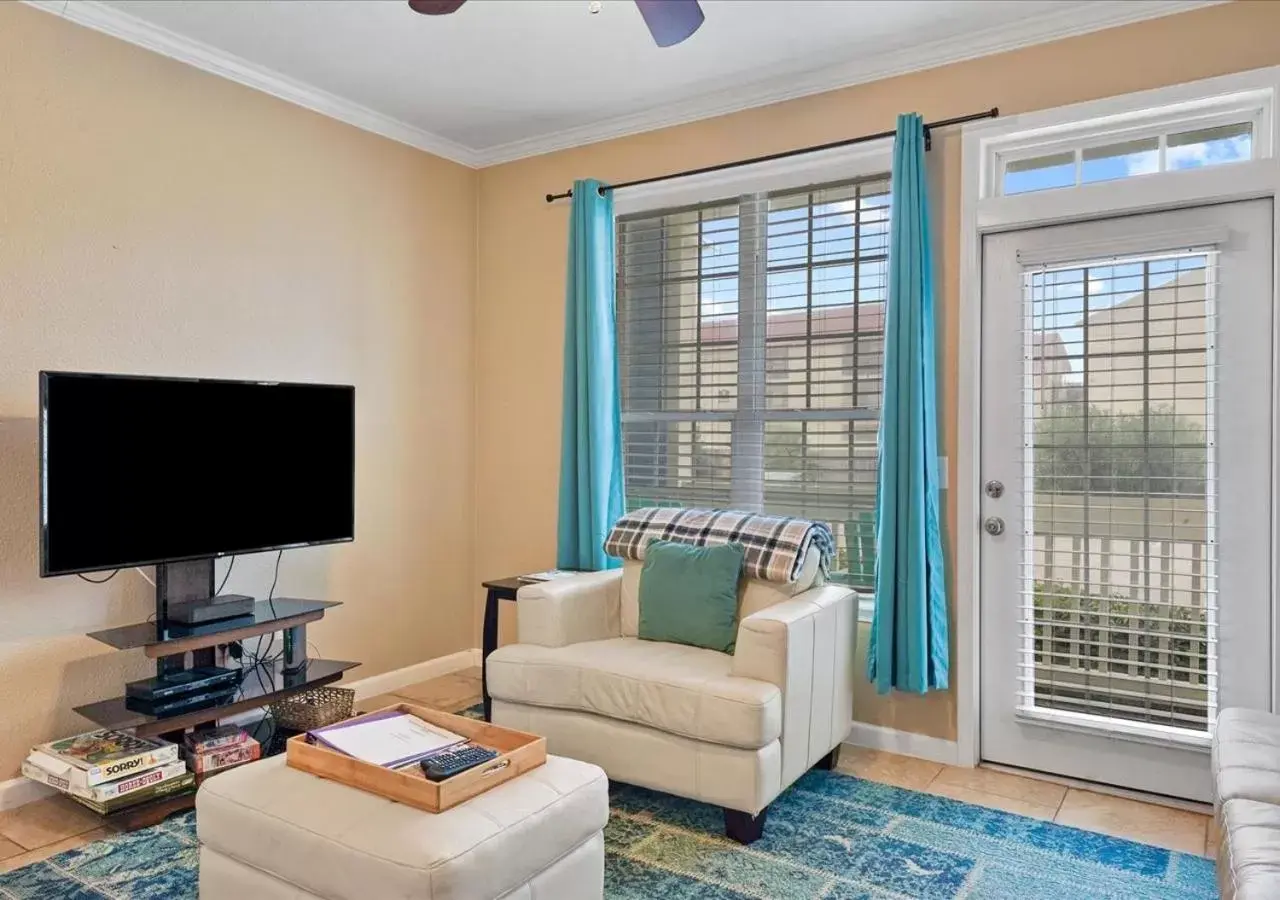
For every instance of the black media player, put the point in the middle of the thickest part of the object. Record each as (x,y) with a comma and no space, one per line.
(200,680)
(182,703)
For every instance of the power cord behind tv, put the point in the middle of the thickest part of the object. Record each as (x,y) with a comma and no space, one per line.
(261,660)
(271,594)
(226,576)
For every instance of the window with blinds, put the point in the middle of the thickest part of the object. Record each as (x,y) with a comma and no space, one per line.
(750,340)
(1119,576)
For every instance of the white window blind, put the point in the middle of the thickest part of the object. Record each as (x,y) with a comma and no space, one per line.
(1119,579)
(750,347)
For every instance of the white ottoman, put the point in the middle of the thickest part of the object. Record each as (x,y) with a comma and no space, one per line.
(269,832)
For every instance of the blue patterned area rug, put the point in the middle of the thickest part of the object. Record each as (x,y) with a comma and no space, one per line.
(830,837)
(159,862)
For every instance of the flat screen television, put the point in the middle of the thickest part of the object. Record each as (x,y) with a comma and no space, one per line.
(140,470)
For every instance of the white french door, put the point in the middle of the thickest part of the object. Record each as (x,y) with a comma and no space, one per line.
(1127,480)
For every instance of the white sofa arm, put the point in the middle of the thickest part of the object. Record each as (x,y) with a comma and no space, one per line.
(570,610)
(805,646)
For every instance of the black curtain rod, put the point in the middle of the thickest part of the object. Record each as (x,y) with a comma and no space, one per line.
(991,113)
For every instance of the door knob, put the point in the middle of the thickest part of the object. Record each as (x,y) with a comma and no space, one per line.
(993,525)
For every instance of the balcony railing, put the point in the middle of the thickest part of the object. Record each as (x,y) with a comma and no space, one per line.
(1122,628)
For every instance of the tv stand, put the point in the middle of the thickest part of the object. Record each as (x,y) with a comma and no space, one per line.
(168,645)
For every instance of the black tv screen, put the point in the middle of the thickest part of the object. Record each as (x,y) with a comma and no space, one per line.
(138,470)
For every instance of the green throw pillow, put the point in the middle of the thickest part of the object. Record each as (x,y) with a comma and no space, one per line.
(689,595)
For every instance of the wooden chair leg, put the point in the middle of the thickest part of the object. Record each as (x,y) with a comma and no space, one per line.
(829,762)
(744,827)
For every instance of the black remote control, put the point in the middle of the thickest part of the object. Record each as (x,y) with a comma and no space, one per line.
(440,766)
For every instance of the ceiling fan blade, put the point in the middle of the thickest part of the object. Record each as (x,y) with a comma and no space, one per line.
(435,7)
(671,21)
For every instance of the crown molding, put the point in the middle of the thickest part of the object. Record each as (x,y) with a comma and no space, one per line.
(118,24)
(1097,16)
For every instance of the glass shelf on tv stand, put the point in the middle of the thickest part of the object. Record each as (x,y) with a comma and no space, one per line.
(274,685)
(275,615)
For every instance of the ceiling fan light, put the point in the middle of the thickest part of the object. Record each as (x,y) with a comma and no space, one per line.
(671,21)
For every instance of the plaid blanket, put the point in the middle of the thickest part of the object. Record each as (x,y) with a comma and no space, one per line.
(776,545)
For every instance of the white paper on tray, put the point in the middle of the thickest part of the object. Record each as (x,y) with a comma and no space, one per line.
(389,741)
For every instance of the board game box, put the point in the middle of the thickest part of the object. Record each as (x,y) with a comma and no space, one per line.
(97,756)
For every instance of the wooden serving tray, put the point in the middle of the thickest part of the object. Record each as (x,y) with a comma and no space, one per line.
(520,752)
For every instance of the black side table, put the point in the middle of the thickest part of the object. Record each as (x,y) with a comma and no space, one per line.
(499,589)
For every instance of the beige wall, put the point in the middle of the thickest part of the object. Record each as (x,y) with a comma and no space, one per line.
(522,246)
(157,219)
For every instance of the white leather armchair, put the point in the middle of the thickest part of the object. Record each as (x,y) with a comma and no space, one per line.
(732,730)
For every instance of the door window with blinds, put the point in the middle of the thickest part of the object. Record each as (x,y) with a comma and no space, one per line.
(1126,408)
(751,337)
(1120,563)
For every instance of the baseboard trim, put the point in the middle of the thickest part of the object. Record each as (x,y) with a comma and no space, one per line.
(20,791)
(388,682)
(904,743)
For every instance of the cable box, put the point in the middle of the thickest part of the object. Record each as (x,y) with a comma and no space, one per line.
(200,680)
(210,609)
(174,630)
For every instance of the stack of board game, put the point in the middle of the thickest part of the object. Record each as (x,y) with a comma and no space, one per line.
(215,749)
(108,771)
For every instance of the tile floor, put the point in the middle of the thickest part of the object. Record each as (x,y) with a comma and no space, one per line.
(37,830)
(451,692)
(1148,823)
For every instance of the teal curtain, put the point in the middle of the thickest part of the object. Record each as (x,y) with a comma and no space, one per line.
(908,649)
(591,433)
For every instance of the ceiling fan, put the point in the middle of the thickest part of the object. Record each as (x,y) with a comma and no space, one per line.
(669,21)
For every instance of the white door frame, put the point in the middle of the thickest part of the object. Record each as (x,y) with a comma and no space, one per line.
(983,211)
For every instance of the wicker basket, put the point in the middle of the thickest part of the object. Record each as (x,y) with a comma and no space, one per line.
(313,709)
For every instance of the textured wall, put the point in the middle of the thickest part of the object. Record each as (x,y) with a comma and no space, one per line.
(522,246)
(157,219)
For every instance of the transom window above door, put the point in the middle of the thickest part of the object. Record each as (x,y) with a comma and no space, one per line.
(1211,145)
(751,337)
(1172,135)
